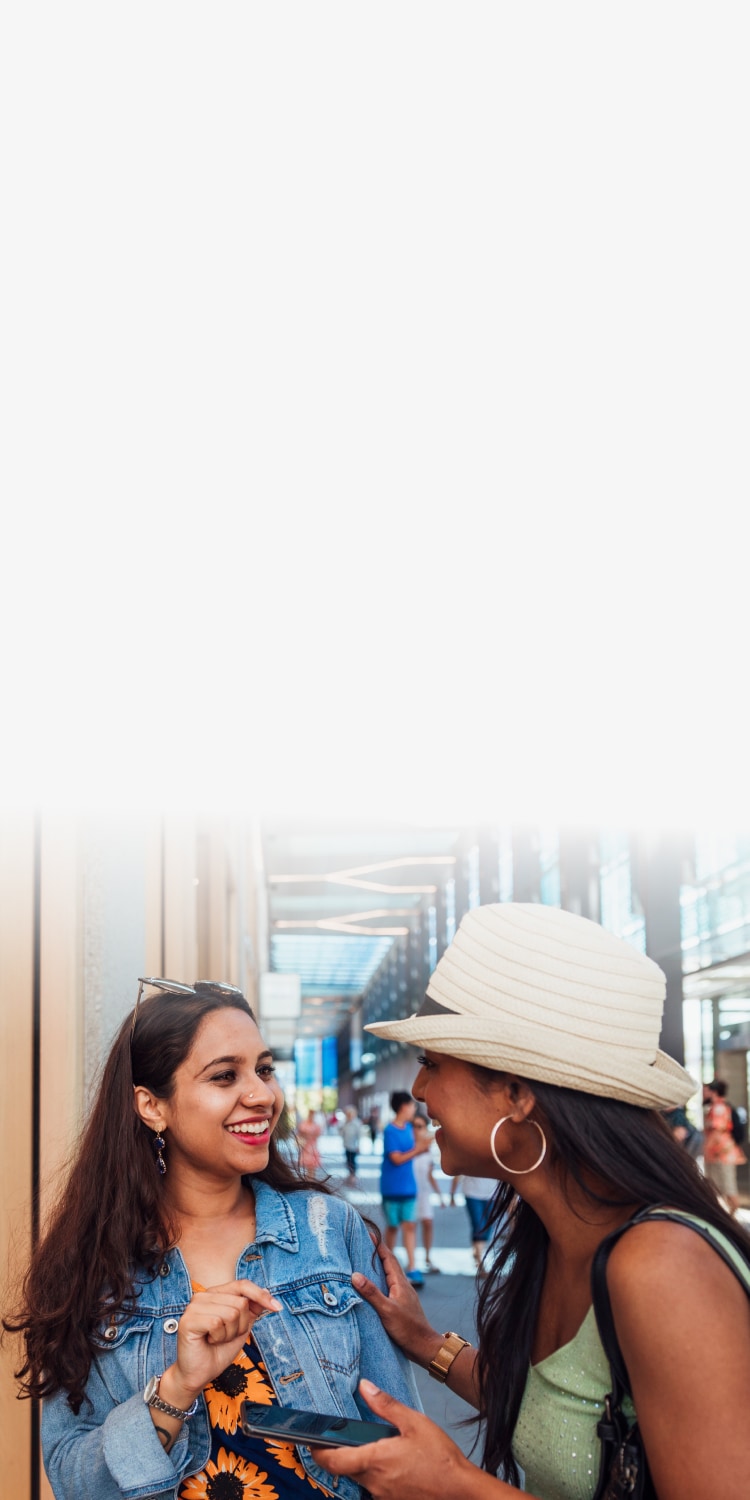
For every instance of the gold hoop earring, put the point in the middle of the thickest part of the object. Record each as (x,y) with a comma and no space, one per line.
(519,1171)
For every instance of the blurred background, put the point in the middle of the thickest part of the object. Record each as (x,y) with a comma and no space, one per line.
(375,464)
(327,926)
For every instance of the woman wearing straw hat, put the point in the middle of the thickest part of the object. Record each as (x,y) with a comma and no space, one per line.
(540,1063)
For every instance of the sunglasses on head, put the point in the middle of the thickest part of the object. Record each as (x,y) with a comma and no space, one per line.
(199,987)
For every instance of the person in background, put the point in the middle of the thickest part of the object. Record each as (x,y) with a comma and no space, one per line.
(351,1131)
(478,1195)
(427,1184)
(540,1063)
(721,1154)
(684,1131)
(188,1266)
(373,1124)
(308,1135)
(398,1185)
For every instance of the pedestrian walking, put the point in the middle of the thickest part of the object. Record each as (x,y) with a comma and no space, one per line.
(427,1184)
(351,1131)
(309,1132)
(721,1152)
(478,1195)
(373,1124)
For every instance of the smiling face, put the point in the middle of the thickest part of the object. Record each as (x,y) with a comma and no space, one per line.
(225,1101)
(464,1110)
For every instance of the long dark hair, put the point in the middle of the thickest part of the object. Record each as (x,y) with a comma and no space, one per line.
(629,1151)
(110,1218)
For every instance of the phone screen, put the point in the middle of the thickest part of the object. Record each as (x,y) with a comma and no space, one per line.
(290,1425)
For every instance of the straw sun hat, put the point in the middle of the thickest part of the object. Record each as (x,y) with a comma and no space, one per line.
(551,996)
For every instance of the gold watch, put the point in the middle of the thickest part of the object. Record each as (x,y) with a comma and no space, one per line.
(439,1366)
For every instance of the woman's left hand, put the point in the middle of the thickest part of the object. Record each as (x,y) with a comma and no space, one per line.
(421,1463)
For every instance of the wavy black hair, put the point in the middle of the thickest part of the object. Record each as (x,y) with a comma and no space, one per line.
(631,1153)
(110,1218)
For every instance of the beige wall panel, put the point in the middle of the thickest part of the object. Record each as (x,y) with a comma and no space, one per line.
(113,945)
(16,1028)
(219,883)
(247,906)
(61,1070)
(213,925)
(234,877)
(232,967)
(180,874)
(61,1060)
(258,949)
(154,960)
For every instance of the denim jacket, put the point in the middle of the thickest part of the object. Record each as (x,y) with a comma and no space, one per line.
(315,1351)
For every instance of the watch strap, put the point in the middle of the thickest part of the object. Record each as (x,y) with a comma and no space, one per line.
(439,1366)
(152,1398)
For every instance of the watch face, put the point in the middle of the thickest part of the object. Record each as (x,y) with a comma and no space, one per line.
(152,1388)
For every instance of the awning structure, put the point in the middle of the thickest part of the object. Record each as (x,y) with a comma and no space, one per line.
(339,897)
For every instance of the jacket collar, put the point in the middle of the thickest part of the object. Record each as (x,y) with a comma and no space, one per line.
(274,1220)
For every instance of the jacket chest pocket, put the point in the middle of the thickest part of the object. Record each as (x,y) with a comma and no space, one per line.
(132,1344)
(325,1312)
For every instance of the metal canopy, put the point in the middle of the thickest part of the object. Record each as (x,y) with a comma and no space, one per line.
(339,897)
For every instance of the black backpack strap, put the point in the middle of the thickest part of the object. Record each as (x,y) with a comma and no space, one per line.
(623,1463)
(600,1293)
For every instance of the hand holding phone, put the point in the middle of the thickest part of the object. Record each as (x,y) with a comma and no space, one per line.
(288,1424)
(422,1462)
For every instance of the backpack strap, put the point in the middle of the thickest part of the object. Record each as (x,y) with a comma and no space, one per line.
(623,1466)
(600,1292)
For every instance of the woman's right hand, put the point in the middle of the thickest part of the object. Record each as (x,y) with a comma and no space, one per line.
(212,1330)
(400,1311)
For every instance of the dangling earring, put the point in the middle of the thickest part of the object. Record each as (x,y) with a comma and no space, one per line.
(159,1143)
(518,1171)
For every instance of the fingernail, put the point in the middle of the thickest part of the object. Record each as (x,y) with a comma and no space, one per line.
(358,1279)
(275,1305)
(368,1389)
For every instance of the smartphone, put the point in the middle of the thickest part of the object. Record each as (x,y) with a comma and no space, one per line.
(287,1424)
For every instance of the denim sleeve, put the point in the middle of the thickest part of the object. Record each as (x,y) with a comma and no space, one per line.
(382,1361)
(108,1451)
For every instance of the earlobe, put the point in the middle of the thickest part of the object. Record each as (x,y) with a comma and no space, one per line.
(521,1098)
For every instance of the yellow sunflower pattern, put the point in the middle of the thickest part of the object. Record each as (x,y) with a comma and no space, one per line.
(287,1457)
(246,1468)
(243,1380)
(228,1477)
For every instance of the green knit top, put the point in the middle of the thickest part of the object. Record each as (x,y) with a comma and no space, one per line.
(555,1441)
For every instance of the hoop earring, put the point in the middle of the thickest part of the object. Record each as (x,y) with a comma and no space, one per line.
(519,1171)
(159,1143)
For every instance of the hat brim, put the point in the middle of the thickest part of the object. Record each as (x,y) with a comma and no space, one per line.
(609,1071)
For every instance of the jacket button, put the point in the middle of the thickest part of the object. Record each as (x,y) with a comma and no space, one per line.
(110,1333)
(330,1300)
(171,1325)
(164,1268)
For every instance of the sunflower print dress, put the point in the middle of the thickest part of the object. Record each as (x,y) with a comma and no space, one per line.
(240,1467)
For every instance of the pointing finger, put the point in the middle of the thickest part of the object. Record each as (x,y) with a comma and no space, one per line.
(257,1295)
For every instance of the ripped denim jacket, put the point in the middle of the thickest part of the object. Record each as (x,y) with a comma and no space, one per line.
(315,1351)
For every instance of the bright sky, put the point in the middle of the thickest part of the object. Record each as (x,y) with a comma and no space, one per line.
(377,389)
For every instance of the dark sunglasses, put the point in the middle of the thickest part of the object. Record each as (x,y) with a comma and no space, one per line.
(199,987)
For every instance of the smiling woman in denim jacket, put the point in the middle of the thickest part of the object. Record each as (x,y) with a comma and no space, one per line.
(189,1266)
